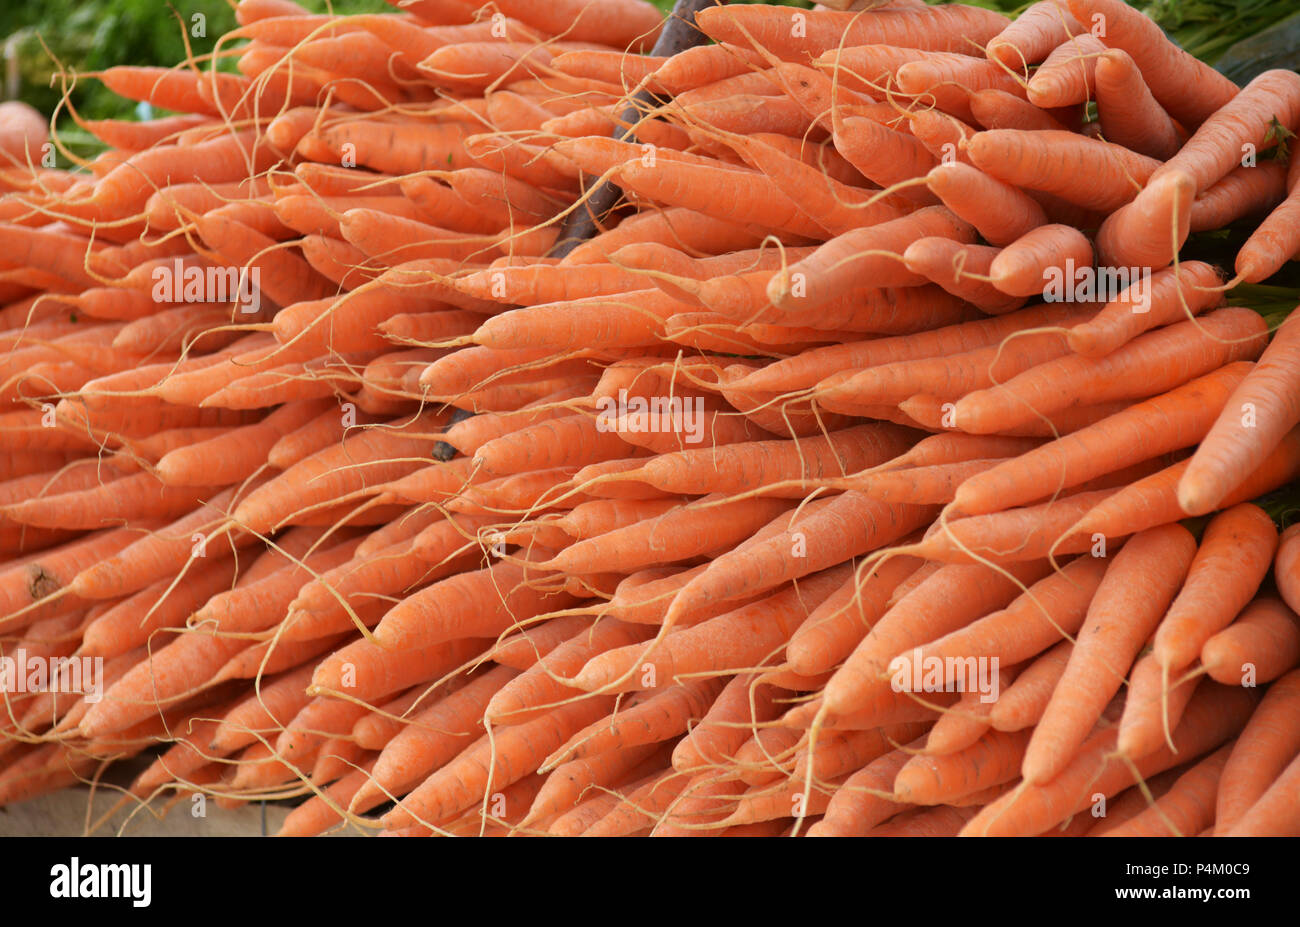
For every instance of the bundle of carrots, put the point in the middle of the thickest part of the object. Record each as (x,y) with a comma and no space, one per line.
(839,485)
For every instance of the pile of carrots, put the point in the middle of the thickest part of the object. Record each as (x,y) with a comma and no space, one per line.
(457,526)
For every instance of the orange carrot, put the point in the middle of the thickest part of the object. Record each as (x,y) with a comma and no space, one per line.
(1215,714)
(1022,704)
(1173,293)
(1129,115)
(1007,214)
(1263,408)
(1048,161)
(1165,358)
(1189,89)
(1234,556)
(1165,423)
(1261,645)
(946,28)
(1268,743)
(876,250)
(1033,34)
(1107,643)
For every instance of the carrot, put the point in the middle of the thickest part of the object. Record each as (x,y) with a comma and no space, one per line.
(1128,113)
(1234,556)
(620,24)
(953,376)
(1259,646)
(545,682)
(524,648)
(1027,266)
(1022,703)
(726,725)
(1274,813)
(1273,243)
(129,135)
(573,440)
(293,382)
(1152,707)
(1286,568)
(884,155)
(486,766)
(694,530)
(865,798)
(678,183)
(1262,752)
(1107,644)
(266,712)
(934,485)
(1033,35)
(1216,147)
(1050,528)
(1172,293)
(748,113)
(567,786)
(876,251)
(997,109)
(1244,191)
(238,453)
(948,28)
(283,276)
(1159,425)
(1166,358)
(434,736)
(1048,161)
(1187,808)
(48,250)
(812,366)
(1260,411)
(935,780)
(1189,89)
(836,206)
(321,605)
(764,463)
(612,67)
(999,212)
(393,239)
(478,604)
(167,676)
(949,599)
(849,525)
(1053,607)
(159,555)
(161,87)
(380,673)
(385,452)
(658,717)
(1153,499)
(1067,76)
(1215,714)
(135,496)
(678,227)
(258,601)
(546,283)
(737,639)
(1149,231)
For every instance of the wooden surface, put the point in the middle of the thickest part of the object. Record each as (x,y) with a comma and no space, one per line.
(64,814)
